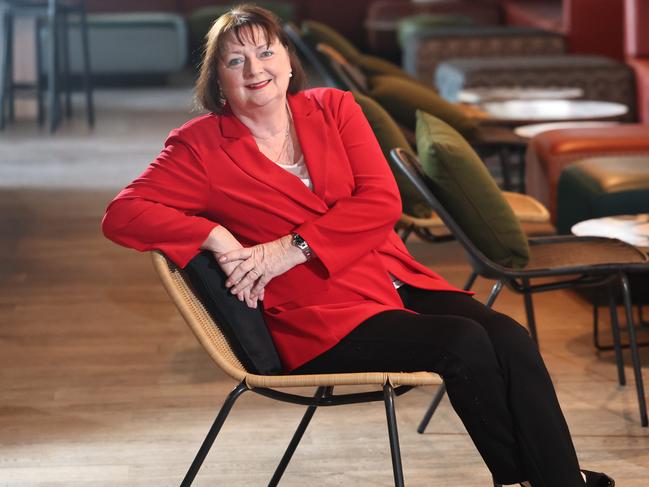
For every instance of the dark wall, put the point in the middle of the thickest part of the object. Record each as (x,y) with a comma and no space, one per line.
(347,16)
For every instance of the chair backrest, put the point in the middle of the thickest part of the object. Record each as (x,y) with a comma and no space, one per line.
(316,59)
(409,164)
(352,76)
(207,331)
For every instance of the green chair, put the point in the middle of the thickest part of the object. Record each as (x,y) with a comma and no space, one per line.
(418,216)
(402,97)
(453,181)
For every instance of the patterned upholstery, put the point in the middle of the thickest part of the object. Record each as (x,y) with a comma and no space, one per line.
(425,48)
(600,78)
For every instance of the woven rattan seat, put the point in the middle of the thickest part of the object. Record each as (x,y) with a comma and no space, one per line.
(557,262)
(208,333)
(582,252)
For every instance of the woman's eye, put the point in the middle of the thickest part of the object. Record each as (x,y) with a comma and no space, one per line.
(266,53)
(235,61)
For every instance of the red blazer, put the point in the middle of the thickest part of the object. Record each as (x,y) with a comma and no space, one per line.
(211,172)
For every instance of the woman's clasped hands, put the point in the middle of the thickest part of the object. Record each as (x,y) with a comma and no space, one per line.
(255,266)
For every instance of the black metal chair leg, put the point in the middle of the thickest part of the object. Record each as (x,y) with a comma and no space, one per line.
(496,484)
(495,291)
(504,167)
(470,281)
(529,311)
(87,78)
(297,436)
(439,395)
(388,394)
(615,330)
(211,434)
(635,357)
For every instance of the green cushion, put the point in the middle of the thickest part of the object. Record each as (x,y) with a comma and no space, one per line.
(421,23)
(467,191)
(373,66)
(317,32)
(402,97)
(390,137)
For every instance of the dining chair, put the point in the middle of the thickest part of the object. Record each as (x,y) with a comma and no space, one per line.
(214,339)
(558,262)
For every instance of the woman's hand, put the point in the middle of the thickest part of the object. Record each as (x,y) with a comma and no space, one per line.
(220,241)
(257,265)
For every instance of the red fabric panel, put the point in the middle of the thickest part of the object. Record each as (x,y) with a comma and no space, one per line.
(595,27)
(637,28)
(641,68)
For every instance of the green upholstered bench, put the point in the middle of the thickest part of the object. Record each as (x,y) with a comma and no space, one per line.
(602,186)
(130,44)
(600,78)
(424,46)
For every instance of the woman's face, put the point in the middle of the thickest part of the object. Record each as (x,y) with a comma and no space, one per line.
(254,73)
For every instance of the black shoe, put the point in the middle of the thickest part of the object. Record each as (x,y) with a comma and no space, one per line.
(598,479)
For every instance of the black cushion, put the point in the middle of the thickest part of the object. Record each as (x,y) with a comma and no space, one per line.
(243,327)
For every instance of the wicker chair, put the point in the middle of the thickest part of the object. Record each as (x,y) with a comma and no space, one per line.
(216,345)
(568,261)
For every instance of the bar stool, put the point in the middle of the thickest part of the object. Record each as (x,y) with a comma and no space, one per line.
(55,14)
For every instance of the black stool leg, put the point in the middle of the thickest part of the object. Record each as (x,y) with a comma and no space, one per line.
(87,78)
(211,435)
(617,342)
(388,394)
(8,67)
(4,66)
(635,357)
(53,66)
(40,75)
(65,61)
(297,436)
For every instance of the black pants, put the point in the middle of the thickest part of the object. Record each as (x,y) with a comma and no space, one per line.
(495,377)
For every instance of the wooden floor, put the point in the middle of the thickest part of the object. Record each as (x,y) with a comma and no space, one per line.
(102,384)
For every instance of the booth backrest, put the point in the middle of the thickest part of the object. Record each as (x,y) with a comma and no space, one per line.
(637,51)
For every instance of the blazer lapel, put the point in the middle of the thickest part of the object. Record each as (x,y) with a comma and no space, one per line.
(311,130)
(241,147)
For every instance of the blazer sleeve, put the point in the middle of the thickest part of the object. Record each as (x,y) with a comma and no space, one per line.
(158,211)
(358,224)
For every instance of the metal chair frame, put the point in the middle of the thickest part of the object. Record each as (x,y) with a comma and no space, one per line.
(519,280)
(208,333)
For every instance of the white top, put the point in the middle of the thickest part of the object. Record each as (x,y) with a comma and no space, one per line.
(300,170)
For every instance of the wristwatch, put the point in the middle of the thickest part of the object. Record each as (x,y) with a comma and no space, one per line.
(301,244)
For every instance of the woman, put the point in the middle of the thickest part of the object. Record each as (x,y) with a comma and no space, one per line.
(290,191)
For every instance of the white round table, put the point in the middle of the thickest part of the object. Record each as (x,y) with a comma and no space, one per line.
(529,131)
(632,229)
(538,111)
